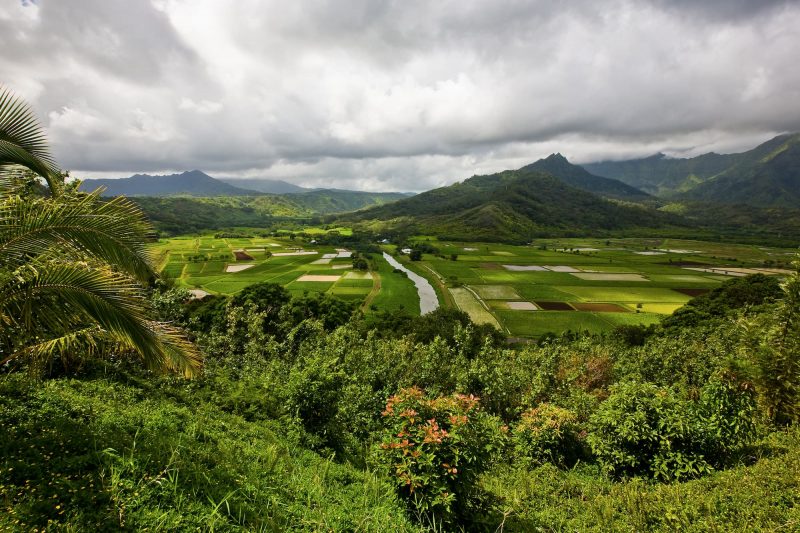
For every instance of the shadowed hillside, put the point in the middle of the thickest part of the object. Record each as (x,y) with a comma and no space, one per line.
(510,205)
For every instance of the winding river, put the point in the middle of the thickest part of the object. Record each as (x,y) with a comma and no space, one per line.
(427,296)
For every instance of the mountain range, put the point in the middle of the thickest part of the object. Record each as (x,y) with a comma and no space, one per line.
(766,176)
(578,177)
(548,196)
(517,205)
(282,198)
(190,183)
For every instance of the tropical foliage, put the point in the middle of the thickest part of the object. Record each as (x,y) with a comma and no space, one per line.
(72,267)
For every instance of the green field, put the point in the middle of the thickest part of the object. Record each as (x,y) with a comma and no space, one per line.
(641,277)
(203,262)
(640,283)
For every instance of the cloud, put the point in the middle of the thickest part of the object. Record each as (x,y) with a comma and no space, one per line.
(388,95)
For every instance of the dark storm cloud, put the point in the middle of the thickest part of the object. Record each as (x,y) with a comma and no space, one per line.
(397,95)
(723,9)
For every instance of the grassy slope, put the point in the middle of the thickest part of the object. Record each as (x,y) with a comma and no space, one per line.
(761,497)
(105,455)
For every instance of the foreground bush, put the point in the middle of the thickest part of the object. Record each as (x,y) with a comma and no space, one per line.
(547,434)
(435,449)
(642,429)
(646,430)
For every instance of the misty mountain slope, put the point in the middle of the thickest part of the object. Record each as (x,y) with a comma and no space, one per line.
(264,185)
(182,214)
(578,177)
(772,180)
(190,183)
(664,176)
(295,201)
(510,205)
(325,201)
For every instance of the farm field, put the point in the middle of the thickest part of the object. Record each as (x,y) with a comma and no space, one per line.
(555,285)
(526,291)
(206,264)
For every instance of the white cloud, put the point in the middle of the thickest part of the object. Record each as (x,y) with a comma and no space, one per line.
(386,95)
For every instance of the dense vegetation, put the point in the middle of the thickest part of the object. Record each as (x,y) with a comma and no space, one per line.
(307,416)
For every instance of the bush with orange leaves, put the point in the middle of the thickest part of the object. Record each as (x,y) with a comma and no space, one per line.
(435,449)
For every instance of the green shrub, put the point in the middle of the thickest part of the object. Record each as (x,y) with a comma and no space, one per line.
(435,449)
(642,429)
(728,408)
(545,434)
(313,391)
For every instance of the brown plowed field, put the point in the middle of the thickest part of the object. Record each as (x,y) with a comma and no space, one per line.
(554,306)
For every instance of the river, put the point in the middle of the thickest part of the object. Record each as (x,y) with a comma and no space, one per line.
(427,296)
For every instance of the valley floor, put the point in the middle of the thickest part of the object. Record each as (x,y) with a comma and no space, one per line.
(549,286)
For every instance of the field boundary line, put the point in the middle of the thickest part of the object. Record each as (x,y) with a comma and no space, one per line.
(486,307)
(376,288)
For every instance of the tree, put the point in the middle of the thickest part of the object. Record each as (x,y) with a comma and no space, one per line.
(72,266)
(773,345)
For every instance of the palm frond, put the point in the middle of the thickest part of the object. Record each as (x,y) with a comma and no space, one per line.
(114,231)
(100,296)
(84,341)
(22,140)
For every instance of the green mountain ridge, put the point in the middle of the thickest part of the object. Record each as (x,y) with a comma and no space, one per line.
(190,183)
(182,214)
(771,180)
(264,185)
(580,178)
(514,205)
(760,177)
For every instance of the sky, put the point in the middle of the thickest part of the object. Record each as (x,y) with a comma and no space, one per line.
(402,95)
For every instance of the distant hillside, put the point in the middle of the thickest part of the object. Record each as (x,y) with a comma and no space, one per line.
(664,176)
(765,226)
(514,205)
(580,178)
(191,183)
(326,201)
(769,180)
(264,185)
(189,214)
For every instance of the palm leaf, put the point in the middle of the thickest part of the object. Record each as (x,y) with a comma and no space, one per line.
(22,141)
(102,297)
(113,231)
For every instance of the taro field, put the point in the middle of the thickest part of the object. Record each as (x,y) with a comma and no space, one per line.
(585,284)
(208,265)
